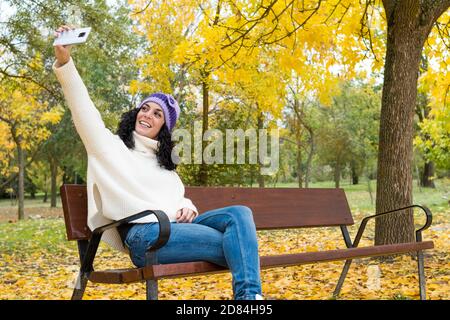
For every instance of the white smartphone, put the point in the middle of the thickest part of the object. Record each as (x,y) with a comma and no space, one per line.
(75,36)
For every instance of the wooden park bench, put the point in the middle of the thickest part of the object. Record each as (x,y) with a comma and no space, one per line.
(273,208)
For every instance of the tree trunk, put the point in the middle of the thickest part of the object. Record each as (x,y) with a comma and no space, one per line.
(355,178)
(298,139)
(299,165)
(45,188)
(261,180)
(310,156)
(54,173)
(428,172)
(369,189)
(203,172)
(66,175)
(408,27)
(21,185)
(337,175)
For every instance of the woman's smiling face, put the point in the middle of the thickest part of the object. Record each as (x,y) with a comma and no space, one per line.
(149,120)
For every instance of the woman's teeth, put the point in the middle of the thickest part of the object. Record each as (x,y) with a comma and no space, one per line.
(145,124)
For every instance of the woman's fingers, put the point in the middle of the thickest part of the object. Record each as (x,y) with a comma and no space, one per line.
(191,216)
(178,216)
(185,215)
(62,29)
(65,28)
(62,52)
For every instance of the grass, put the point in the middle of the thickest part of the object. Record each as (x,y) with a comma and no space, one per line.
(359,197)
(32,235)
(30,203)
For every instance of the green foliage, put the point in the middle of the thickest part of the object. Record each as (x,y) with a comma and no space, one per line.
(105,62)
(348,132)
(32,235)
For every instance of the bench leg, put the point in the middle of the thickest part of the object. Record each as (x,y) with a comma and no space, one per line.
(152,284)
(420,264)
(80,286)
(342,278)
(152,289)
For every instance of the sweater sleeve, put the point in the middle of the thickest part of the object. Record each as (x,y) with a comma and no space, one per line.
(87,119)
(187,203)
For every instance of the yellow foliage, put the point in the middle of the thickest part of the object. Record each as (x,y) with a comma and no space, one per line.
(320,46)
(24,118)
(50,274)
(435,81)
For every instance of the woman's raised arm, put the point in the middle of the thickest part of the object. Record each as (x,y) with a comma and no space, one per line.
(87,119)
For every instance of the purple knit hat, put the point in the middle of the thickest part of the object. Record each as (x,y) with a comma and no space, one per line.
(168,104)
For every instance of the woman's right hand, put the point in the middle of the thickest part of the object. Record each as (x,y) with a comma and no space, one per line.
(62,53)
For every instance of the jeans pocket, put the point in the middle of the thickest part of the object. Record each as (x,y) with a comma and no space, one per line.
(141,236)
(133,237)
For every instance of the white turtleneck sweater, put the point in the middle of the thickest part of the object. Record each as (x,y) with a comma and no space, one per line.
(120,181)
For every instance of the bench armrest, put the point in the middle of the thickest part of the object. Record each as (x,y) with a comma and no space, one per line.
(427,212)
(164,233)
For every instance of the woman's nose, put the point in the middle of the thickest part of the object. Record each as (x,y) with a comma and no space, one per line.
(148,115)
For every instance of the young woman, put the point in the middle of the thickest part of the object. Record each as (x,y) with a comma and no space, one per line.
(133,171)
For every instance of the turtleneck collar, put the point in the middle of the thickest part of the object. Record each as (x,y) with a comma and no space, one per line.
(144,144)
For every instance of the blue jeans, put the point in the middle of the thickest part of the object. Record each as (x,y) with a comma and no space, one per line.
(225,236)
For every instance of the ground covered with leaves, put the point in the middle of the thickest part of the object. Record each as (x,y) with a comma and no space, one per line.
(37,262)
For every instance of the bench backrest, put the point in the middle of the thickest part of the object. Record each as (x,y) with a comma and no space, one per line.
(273,208)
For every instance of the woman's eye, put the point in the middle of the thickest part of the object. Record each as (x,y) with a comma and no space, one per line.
(158,115)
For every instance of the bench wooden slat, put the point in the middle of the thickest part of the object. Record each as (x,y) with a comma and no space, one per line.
(273,208)
(164,271)
(74,202)
(343,254)
(279,208)
(118,276)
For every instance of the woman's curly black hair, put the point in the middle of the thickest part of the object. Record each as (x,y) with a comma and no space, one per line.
(165,144)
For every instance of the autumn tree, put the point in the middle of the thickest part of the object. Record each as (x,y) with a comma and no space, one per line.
(347,135)
(189,44)
(395,29)
(105,63)
(26,118)
(433,104)
(422,111)
(408,24)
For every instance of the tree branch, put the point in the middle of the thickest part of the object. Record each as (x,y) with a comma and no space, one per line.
(28,78)
(389,6)
(314,10)
(439,7)
(145,8)
(255,23)
(365,32)
(444,34)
